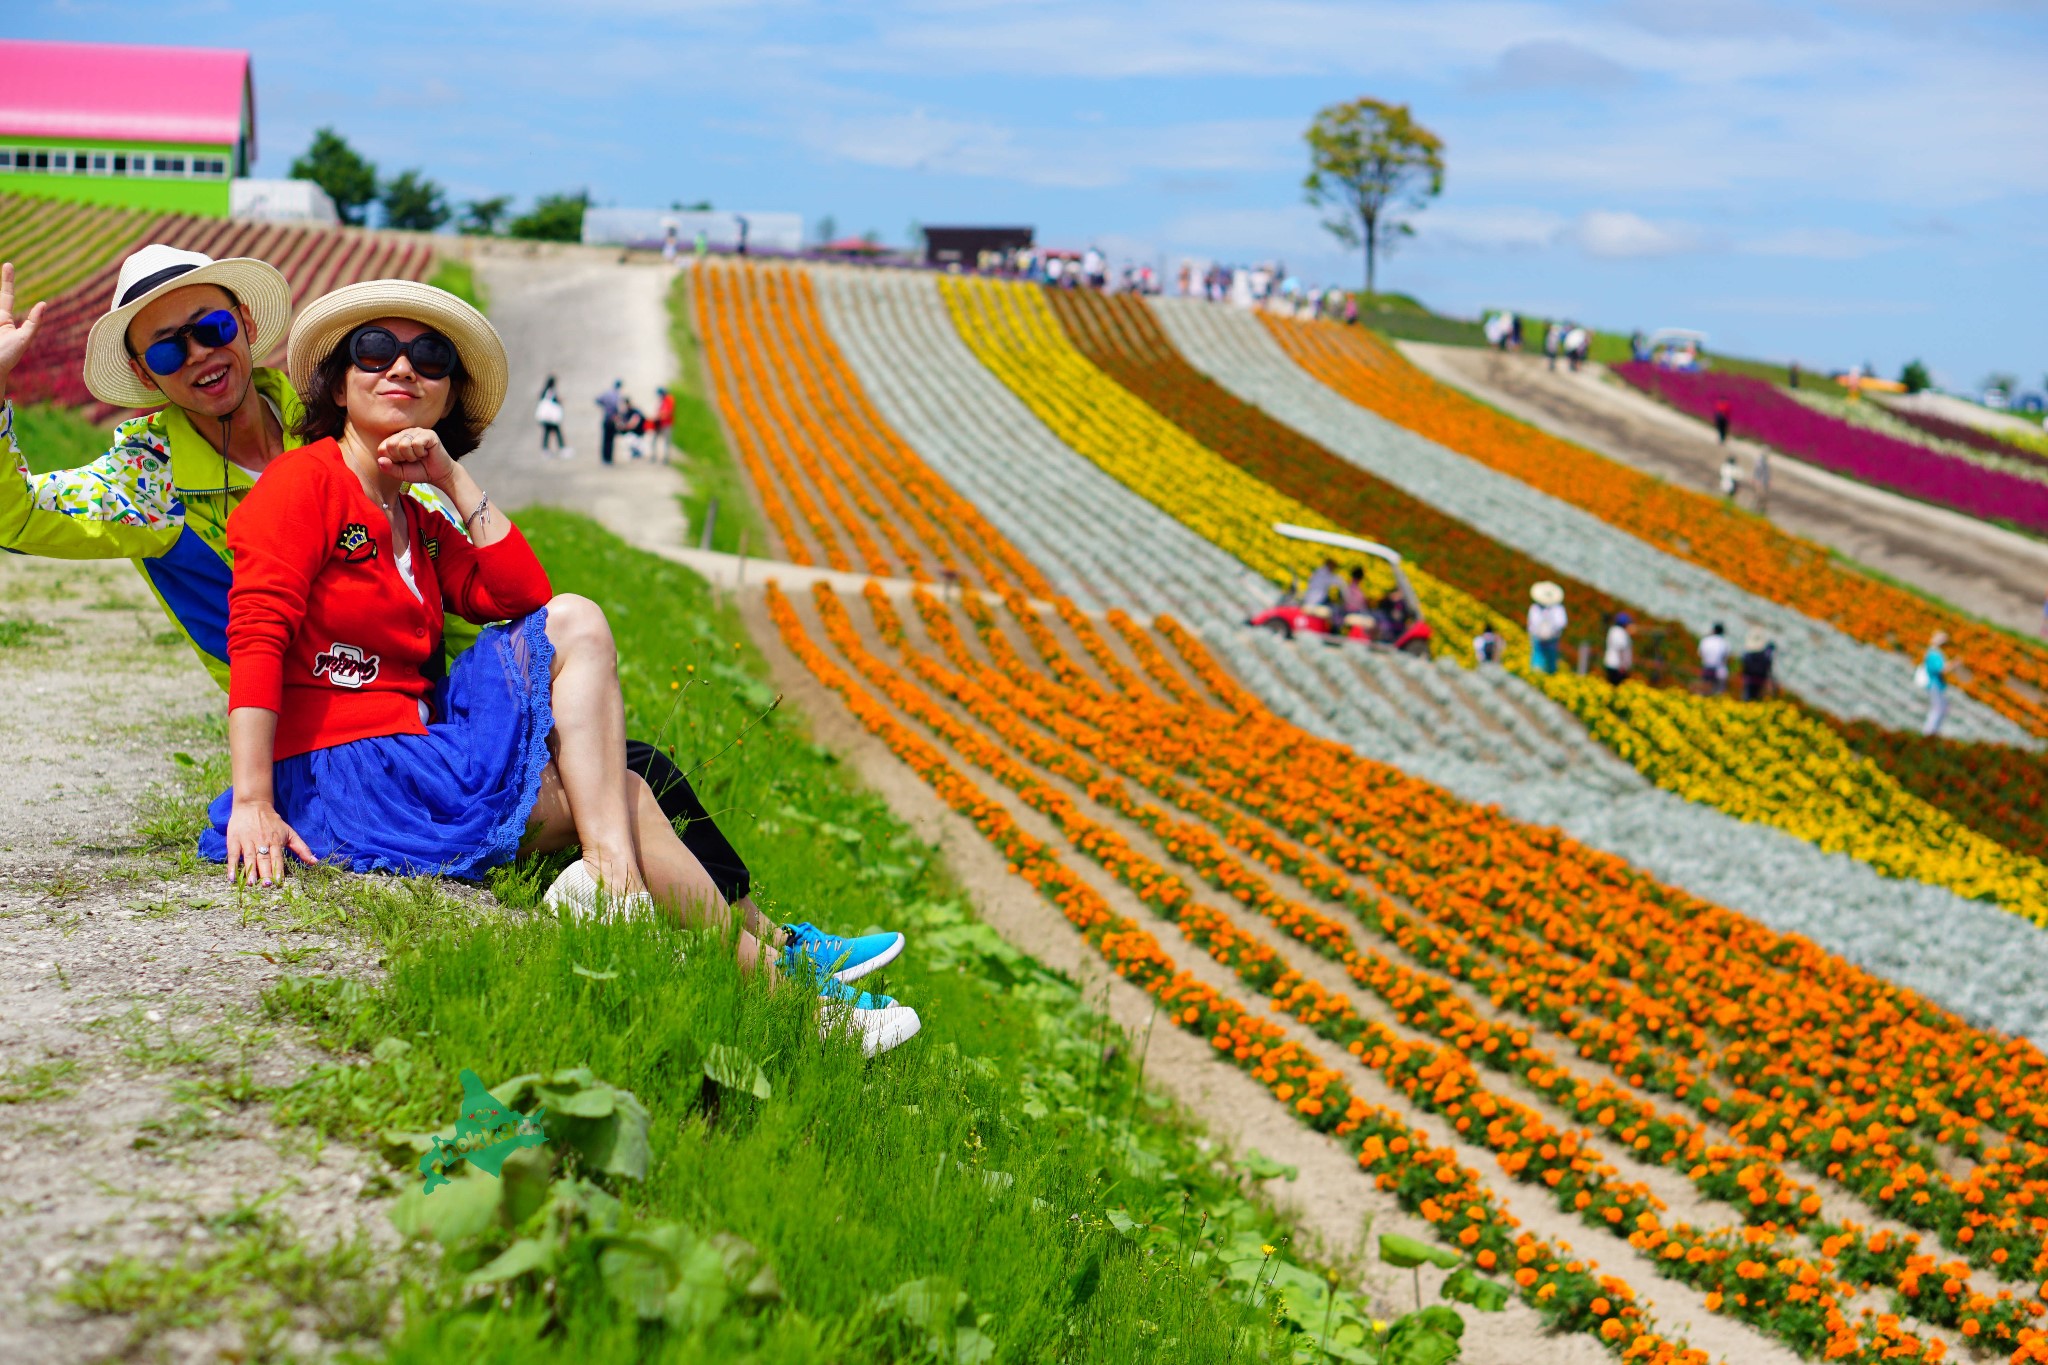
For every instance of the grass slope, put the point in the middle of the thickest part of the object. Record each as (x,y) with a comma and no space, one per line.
(1000,1188)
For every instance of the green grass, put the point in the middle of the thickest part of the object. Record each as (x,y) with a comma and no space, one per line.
(459,278)
(52,437)
(1001,1188)
(708,465)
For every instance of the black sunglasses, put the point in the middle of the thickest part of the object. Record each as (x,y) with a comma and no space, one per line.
(376,349)
(167,356)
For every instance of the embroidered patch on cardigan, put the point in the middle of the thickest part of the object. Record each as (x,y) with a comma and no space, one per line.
(355,544)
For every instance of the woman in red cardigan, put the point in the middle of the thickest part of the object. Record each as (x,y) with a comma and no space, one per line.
(345,748)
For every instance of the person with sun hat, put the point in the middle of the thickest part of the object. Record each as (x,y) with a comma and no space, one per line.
(183,335)
(1547,621)
(345,747)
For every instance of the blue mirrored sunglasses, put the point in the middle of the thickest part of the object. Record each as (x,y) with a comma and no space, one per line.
(167,356)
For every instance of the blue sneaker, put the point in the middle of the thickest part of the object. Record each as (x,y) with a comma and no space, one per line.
(821,956)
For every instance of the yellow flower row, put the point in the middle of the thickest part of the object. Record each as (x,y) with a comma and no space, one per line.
(1761,762)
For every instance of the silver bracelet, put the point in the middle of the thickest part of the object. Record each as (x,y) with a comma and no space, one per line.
(483,505)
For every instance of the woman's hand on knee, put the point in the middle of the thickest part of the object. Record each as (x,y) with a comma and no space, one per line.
(257,838)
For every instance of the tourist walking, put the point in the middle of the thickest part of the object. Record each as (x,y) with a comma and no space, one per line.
(1933,677)
(1619,658)
(548,412)
(610,401)
(1714,650)
(1553,342)
(1760,475)
(664,418)
(1547,620)
(1724,411)
(1759,661)
(1731,477)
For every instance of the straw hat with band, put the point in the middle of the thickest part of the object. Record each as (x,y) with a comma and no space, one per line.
(327,321)
(154,271)
(1546,594)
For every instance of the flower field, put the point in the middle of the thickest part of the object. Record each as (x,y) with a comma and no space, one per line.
(1487,735)
(1770,762)
(817,451)
(1822,664)
(1098,542)
(2030,448)
(1760,412)
(1515,1034)
(2011,675)
(1434,892)
(1120,336)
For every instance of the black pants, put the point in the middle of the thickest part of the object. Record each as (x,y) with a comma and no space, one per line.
(611,434)
(551,431)
(700,834)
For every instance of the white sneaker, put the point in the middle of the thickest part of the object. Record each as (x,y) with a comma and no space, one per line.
(577,890)
(876,1030)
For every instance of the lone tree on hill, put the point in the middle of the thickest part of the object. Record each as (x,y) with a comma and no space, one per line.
(336,167)
(1915,377)
(1368,162)
(413,202)
(480,217)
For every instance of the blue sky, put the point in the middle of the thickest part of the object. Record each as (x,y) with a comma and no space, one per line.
(1853,183)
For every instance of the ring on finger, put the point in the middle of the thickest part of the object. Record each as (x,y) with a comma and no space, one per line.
(263,848)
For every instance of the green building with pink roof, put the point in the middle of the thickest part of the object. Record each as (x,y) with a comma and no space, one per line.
(165,128)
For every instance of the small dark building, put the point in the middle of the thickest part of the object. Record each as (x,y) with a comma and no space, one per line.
(962,246)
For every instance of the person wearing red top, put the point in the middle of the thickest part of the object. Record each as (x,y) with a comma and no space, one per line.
(664,418)
(345,748)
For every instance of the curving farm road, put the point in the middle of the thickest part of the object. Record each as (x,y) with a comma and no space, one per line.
(1985,570)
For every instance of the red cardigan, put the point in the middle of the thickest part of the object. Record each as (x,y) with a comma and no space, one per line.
(322,630)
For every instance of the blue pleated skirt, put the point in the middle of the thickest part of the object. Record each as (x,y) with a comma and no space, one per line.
(453,802)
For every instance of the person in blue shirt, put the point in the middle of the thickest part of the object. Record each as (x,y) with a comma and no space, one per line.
(1934,668)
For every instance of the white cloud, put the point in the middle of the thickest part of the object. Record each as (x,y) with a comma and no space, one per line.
(1615,234)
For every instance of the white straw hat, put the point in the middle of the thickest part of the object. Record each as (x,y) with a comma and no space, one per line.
(1546,594)
(150,273)
(324,322)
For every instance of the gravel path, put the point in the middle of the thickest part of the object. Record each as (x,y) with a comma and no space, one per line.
(1983,569)
(130,991)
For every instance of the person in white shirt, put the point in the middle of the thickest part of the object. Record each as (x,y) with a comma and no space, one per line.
(1731,477)
(1714,650)
(1621,649)
(1487,645)
(1546,625)
(1760,475)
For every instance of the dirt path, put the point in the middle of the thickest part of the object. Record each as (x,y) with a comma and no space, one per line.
(578,314)
(1983,569)
(131,1034)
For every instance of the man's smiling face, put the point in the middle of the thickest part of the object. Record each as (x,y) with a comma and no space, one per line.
(214,380)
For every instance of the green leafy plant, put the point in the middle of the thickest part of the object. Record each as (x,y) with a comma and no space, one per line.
(1431,1334)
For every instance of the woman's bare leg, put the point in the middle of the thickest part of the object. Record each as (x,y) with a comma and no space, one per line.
(590,741)
(680,882)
